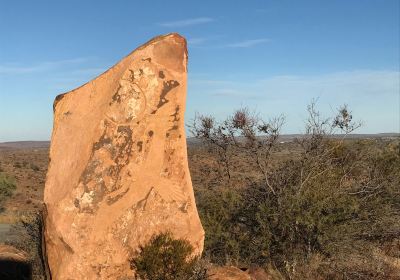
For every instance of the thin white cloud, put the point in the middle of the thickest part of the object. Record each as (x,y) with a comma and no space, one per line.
(187,22)
(200,42)
(196,41)
(15,68)
(228,92)
(357,84)
(248,43)
(372,95)
(349,83)
(234,93)
(210,82)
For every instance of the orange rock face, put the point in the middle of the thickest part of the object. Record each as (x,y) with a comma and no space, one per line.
(118,172)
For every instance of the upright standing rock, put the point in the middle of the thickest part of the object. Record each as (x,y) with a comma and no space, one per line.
(118,172)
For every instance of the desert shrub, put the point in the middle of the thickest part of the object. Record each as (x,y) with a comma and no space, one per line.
(340,211)
(7,187)
(34,167)
(166,258)
(319,214)
(217,212)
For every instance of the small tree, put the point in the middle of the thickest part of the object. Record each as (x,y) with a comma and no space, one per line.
(245,131)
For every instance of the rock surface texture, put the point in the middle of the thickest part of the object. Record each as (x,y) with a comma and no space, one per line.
(118,172)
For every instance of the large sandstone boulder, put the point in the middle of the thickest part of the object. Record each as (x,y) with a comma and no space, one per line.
(118,172)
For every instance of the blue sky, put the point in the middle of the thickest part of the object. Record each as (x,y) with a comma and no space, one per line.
(272,56)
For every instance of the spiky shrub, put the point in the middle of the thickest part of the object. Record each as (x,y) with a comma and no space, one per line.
(167,258)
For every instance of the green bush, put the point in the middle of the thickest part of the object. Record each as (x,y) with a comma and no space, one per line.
(7,187)
(217,212)
(166,258)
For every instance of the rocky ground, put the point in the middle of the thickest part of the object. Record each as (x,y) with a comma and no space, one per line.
(28,166)
(19,216)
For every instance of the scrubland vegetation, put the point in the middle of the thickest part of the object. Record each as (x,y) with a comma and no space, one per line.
(320,207)
(7,187)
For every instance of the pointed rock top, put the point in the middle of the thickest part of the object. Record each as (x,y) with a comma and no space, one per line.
(168,48)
